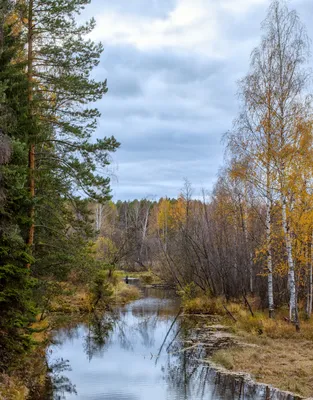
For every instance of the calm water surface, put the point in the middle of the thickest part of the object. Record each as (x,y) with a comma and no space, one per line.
(135,353)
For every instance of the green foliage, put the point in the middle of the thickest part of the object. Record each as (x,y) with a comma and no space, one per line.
(16,305)
(69,165)
(100,290)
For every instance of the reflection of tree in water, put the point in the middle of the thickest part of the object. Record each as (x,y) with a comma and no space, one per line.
(148,316)
(184,373)
(146,329)
(229,387)
(99,330)
(59,385)
(187,377)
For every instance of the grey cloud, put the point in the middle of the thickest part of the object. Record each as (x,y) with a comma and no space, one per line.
(170,108)
(171,64)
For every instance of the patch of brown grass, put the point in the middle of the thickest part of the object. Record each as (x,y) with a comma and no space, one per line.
(76,300)
(271,350)
(125,293)
(12,389)
(224,358)
(284,363)
(204,305)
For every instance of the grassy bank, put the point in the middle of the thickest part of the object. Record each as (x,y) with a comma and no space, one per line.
(271,351)
(79,299)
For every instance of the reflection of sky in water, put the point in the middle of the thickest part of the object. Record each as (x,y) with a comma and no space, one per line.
(117,358)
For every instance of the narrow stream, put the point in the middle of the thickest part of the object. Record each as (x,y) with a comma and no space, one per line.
(135,353)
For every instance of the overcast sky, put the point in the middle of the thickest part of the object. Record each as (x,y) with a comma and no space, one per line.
(172,68)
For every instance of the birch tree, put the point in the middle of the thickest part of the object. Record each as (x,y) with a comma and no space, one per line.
(266,133)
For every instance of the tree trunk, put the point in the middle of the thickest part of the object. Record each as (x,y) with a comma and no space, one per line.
(99,210)
(32,154)
(291,274)
(271,307)
(310,282)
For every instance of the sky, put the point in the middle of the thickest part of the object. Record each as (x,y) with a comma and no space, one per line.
(172,68)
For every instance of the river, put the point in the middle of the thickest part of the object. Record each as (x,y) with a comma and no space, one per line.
(137,352)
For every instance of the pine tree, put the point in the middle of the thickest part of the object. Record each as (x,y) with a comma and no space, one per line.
(60,125)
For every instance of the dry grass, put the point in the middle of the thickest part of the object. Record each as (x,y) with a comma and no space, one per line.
(40,334)
(125,293)
(284,363)
(224,358)
(204,305)
(12,389)
(72,301)
(276,354)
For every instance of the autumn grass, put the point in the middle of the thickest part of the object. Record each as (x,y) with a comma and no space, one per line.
(204,305)
(12,388)
(284,363)
(270,350)
(72,299)
(126,293)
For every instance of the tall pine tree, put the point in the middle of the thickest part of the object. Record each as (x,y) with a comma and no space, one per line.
(60,124)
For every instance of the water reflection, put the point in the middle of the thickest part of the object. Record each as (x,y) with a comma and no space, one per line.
(59,386)
(99,331)
(142,351)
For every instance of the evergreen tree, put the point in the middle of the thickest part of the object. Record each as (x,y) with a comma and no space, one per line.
(16,308)
(60,125)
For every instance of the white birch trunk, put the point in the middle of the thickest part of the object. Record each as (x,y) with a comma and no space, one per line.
(144,230)
(269,260)
(291,269)
(99,209)
(244,217)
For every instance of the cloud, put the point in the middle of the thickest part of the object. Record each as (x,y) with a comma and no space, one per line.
(172,68)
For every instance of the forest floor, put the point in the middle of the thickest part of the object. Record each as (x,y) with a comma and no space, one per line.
(270,351)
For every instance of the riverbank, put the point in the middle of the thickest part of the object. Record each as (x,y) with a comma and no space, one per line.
(270,351)
(73,303)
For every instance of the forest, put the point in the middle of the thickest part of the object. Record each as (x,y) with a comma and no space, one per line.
(250,236)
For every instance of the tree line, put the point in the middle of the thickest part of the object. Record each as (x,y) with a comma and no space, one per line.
(253,234)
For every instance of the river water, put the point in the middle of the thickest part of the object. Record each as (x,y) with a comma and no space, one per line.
(137,353)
